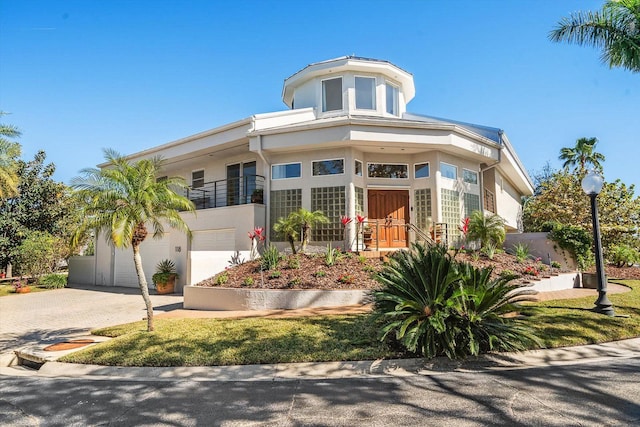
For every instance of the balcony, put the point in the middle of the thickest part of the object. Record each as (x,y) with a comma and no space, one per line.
(228,192)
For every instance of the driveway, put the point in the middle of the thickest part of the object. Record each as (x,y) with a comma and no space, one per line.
(46,317)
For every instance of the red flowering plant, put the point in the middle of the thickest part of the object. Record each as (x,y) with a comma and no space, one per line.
(256,236)
(360,223)
(345,220)
(531,271)
(464,231)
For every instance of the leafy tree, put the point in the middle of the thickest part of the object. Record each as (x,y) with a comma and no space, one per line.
(9,155)
(582,155)
(289,228)
(561,199)
(39,253)
(306,220)
(41,204)
(125,198)
(615,29)
(434,306)
(489,229)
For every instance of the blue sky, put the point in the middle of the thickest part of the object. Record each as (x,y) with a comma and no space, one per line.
(79,76)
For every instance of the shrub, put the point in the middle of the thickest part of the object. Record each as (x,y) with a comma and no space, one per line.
(320,273)
(556,264)
(521,251)
(346,279)
(53,281)
(294,282)
(165,270)
(332,256)
(623,255)
(489,250)
(222,278)
(248,281)
(434,306)
(270,258)
(275,274)
(293,263)
(39,253)
(488,229)
(362,259)
(574,239)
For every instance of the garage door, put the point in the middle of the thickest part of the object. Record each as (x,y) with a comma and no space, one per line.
(214,240)
(152,251)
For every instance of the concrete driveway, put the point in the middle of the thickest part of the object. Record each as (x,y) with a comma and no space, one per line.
(46,317)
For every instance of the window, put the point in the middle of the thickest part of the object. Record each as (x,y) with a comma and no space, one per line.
(328,167)
(286,170)
(448,171)
(283,202)
(392,99)
(331,201)
(470,177)
(382,170)
(422,202)
(197,179)
(421,170)
(358,167)
(451,214)
(332,94)
(365,93)
(471,203)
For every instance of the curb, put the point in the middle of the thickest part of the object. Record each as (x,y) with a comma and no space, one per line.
(347,369)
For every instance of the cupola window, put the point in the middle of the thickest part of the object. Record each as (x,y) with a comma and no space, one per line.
(332,94)
(365,93)
(392,99)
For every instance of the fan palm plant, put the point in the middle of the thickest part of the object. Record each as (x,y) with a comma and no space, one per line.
(434,306)
(489,229)
(615,29)
(307,220)
(9,154)
(289,228)
(125,198)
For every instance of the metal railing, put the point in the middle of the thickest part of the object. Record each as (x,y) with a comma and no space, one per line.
(370,233)
(489,201)
(228,192)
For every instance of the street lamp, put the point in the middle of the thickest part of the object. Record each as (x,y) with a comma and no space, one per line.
(592,184)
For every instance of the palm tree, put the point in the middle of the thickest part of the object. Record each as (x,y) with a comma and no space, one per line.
(306,220)
(9,154)
(289,227)
(581,155)
(125,198)
(487,229)
(615,29)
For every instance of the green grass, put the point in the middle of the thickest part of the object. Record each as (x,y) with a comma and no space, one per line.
(8,290)
(204,342)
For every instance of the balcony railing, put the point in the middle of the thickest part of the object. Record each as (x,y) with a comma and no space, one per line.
(228,192)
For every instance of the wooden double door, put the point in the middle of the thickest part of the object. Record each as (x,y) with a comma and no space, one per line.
(390,210)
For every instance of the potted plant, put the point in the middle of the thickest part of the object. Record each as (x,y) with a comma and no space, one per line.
(367,236)
(257,196)
(21,287)
(165,277)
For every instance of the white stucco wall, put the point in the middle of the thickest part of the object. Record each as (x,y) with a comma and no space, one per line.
(82,270)
(508,203)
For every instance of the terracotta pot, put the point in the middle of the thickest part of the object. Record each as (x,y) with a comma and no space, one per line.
(167,288)
(23,290)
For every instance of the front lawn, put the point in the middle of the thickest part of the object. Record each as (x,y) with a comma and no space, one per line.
(198,342)
(8,290)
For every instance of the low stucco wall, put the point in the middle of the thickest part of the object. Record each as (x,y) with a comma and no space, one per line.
(540,246)
(557,283)
(206,264)
(225,299)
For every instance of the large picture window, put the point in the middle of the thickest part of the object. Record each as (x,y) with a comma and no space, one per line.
(332,94)
(328,167)
(286,170)
(365,93)
(386,170)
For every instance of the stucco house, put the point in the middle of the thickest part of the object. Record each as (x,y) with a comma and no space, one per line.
(345,146)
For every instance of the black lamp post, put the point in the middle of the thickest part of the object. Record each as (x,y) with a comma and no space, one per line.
(592,185)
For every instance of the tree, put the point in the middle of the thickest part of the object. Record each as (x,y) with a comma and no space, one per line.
(615,29)
(40,204)
(582,155)
(289,228)
(561,199)
(306,221)
(39,253)
(125,198)
(488,229)
(9,155)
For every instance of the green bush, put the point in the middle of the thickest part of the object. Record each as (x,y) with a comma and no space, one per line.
(623,255)
(433,305)
(270,258)
(574,239)
(53,281)
(521,251)
(332,256)
(489,229)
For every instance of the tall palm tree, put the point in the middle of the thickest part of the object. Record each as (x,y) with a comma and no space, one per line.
(9,154)
(582,155)
(488,229)
(125,198)
(615,29)
(307,220)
